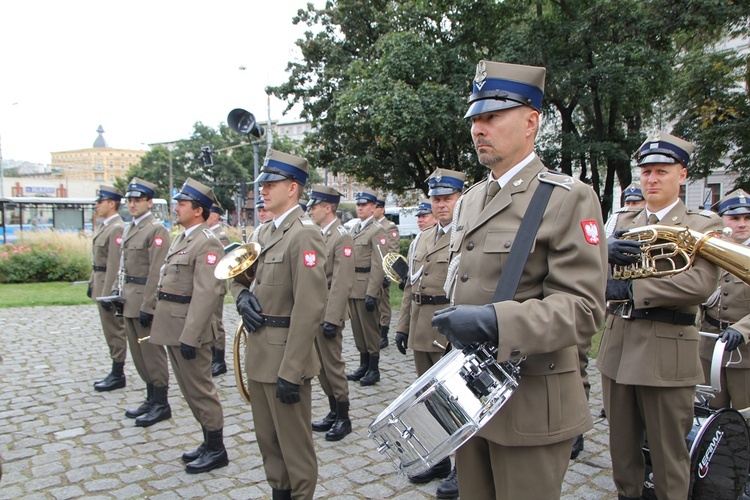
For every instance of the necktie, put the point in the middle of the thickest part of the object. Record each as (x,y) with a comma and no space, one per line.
(492,189)
(438,234)
(653,219)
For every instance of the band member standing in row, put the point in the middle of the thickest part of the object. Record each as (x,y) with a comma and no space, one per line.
(187,295)
(424,294)
(425,217)
(633,202)
(369,249)
(324,202)
(105,254)
(649,352)
(280,316)
(392,236)
(524,450)
(218,365)
(145,243)
(727,313)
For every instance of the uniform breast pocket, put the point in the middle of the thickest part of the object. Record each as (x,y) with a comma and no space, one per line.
(272,272)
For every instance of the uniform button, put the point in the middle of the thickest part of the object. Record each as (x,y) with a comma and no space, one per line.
(681,334)
(515,352)
(646,302)
(464,277)
(724,308)
(725,294)
(726,280)
(423,287)
(470,246)
(552,366)
(426,274)
(507,244)
(427,259)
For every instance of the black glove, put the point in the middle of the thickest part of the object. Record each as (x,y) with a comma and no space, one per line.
(464,325)
(249,309)
(402,340)
(287,392)
(622,252)
(619,289)
(386,282)
(732,337)
(369,303)
(329,330)
(107,306)
(88,291)
(145,319)
(187,351)
(402,284)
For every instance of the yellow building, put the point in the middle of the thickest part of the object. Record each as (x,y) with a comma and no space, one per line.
(100,163)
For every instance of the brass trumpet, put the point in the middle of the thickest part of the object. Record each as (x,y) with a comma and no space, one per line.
(395,266)
(668,250)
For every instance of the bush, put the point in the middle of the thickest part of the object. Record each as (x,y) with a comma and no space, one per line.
(46,256)
(403,246)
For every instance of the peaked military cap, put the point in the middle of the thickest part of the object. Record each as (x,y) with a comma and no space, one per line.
(424,208)
(365,196)
(321,193)
(261,203)
(633,192)
(502,86)
(444,181)
(139,187)
(108,193)
(195,191)
(216,207)
(735,203)
(381,200)
(279,166)
(664,148)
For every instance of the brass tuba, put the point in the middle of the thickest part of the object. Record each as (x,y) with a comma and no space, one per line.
(668,250)
(395,266)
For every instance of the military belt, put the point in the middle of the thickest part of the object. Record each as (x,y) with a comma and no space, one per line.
(362,269)
(421,298)
(660,314)
(136,280)
(100,268)
(721,325)
(276,321)
(171,297)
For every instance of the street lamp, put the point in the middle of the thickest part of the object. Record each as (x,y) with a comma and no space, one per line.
(243,122)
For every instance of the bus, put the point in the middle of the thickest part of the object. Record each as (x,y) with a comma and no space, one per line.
(19,214)
(405,218)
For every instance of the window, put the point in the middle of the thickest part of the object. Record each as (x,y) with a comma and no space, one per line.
(711,195)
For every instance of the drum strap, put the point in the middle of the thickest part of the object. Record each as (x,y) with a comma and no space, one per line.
(519,252)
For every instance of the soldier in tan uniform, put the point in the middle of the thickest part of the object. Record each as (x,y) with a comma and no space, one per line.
(187,295)
(524,450)
(369,248)
(145,242)
(218,365)
(425,217)
(280,316)
(649,353)
(106,263)
(392,237)
(329,341)
(424,294)
(727,313)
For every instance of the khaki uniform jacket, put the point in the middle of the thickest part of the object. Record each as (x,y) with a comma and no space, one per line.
(188,270)
(290,281)
(559,302)
(370,246)
(415,319)
(339,272)
(105,252)
(144,247)
(391,234)
(657,354)
(218,231)
(732,306)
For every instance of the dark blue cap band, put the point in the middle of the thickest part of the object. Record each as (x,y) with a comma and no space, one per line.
(289,171)
(498,88)
(328,198)
(367,197)
(446,182)
(109,195)
(424,208)
(135,187)
(663,148)
(732,203)
(196,195)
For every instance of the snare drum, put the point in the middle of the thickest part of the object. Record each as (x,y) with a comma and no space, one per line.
(719,455)
(443,408)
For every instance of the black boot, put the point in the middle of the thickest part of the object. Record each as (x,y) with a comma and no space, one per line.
(281,494)
(213,457)
(448,489)
(189,456)
(328,420)
(373,373)
(384,336)
(115,379)
(364,364)
(577,447)
(441,469)
(145,406)
(159,411)
(342,426)
(218,366)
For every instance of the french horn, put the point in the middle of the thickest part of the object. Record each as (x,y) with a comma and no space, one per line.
(395,266)
(668,250)
(240,342)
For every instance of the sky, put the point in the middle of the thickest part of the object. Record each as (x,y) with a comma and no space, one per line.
(146,71)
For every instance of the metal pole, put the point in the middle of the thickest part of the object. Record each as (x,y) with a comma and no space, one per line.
(171,187)
(255,184)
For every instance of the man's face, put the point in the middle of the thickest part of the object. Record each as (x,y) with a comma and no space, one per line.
(635,204)
(263,214)
(379,212)
(105,207)
(276,195)
(187,216)
(740,226)
(442,207)
(661,184)
(318,212)
(365,210)
(213,219)
(501,138)
(425,221)
(139,206)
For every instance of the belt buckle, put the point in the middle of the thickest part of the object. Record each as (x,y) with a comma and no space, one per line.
(621,308)
(417,298)
(627,310)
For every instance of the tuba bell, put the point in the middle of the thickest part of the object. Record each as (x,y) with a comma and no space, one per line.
(668,250)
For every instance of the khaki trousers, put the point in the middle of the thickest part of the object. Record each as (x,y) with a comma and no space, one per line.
(150,360)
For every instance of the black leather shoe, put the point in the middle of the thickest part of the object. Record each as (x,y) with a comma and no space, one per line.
(213,456)
(160,409)
(218,366)
(110,383)
(325,424)
(281,494)
(189,456)
(439,470)
(373,373)
(448,489)
(145,406)
(364,364)
(384,336)
(577,447)
(339,430)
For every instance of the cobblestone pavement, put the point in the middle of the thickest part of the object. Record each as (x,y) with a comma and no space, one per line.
(60,439)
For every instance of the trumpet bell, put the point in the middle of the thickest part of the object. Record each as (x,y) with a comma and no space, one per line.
(237,261)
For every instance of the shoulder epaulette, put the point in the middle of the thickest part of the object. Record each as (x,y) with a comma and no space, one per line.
(342,230)
(306,221)
(377,224)
(155,222)
(707,213)
(556,178)
(622,209)
(209,234)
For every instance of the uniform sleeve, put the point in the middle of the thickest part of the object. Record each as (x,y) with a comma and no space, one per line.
(114,246)
(206,290)
(158,246)
(342,281)
(404,317)
(379,249)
